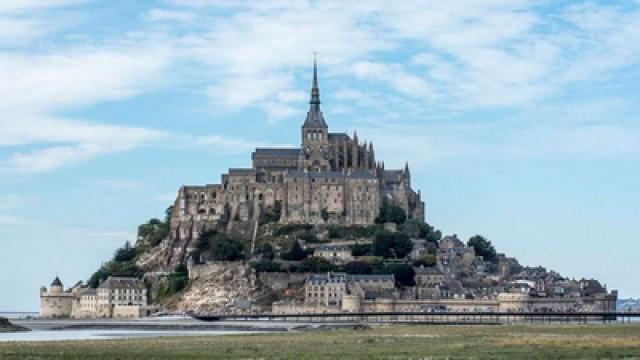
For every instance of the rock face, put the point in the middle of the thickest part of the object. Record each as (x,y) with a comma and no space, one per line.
(216,287)
(7,326)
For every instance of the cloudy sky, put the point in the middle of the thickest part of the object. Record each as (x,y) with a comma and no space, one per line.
(519,119)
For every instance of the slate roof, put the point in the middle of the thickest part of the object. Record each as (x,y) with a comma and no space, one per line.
(370,278)
(327,277)
(56,282)
(291,153)
(89,291)
(338,136)
(121,283)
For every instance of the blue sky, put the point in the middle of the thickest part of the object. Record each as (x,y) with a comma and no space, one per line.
(519,119)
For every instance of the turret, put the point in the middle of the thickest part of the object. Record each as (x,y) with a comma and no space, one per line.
(56,286)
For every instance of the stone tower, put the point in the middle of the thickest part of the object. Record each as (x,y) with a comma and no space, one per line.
(315,132)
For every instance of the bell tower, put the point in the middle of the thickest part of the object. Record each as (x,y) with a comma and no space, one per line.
(315,132)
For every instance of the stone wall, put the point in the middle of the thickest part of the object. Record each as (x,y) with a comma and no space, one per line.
(56,304)
(505,303)
(281,280)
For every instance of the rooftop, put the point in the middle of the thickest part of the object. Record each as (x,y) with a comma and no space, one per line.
(121,283)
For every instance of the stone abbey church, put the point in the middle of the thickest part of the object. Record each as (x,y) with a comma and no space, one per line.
(331,179)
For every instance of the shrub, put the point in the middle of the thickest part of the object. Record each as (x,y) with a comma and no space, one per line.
(288,229)
(266,250)
(177,280)
(336,231)
(271,215)
(361,249)
(316,265)
(418,229)
(391,213)
(125,253)
(114,268)
(403,273)
(295,253)
(222,246)
(428,260)
(392,245)
(357,267)
(264,265)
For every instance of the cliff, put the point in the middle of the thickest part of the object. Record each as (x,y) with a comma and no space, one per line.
(218,287)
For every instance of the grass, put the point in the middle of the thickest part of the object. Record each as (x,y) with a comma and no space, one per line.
(389,342)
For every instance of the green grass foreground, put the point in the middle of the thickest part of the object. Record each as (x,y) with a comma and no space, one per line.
(389,342)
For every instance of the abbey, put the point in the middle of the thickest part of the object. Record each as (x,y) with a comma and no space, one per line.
(332,178)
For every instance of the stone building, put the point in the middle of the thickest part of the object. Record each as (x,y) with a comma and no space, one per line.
(116,297)
(334,253)
(331,289)
(56,302)
(332,178)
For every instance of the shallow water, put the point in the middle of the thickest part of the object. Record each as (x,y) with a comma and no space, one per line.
(90,334)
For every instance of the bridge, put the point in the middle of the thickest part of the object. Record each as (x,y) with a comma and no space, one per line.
(444,318)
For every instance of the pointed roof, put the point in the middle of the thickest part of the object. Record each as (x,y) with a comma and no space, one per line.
(315,119)
(56,282)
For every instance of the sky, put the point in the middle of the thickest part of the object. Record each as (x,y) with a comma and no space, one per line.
(519,119)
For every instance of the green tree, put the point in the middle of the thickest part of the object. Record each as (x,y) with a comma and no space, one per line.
(266,250)
(114,268)
(316,265)
(295,253)
(264,265)
(357,267)
(222,246)
(125,253)
(361,249)
(403,273)
(167,215)
(391,213)
(392,245)
(482,247)
(418,229)
(428,260)
(271,215)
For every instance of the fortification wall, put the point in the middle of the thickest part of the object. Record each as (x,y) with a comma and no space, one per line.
(56,305)
(281,280)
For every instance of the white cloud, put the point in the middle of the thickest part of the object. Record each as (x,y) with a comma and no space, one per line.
(77,77)
(467,54)
(21,22)
(23,6)
(170,15)
(79,141)
(34,86)
(395,76)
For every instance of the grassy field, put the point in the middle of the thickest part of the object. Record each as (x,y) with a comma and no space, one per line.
(389,342)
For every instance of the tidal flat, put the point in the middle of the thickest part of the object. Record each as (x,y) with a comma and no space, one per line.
(592,341)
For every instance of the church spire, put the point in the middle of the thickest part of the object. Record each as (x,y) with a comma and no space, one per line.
(314,116)
(315,90)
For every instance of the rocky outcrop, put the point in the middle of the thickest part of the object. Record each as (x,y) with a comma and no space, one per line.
(217,287)
(7,326)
